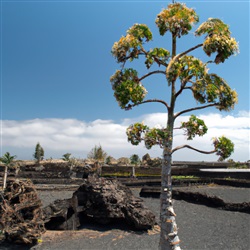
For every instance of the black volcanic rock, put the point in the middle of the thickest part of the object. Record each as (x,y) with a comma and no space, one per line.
(99,200)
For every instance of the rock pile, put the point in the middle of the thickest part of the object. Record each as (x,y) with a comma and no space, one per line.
(103,201)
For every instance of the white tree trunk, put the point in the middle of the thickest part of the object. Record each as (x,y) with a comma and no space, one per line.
(169,239)
(133,171)
(5,177)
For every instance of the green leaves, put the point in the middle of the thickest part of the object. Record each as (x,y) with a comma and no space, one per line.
(156,54)
(138,132)
(186,68)
(206,88)
(140,31)
(223,146)
(127,87)
(129,47)
(214,89)
(177,18)
(135,132)
(218,39)
(213,26)
(193,127)
(7,159)
(155,136)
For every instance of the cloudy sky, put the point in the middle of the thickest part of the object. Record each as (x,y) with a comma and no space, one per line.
(55,70)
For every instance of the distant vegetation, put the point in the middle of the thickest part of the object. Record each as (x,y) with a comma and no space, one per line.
(39,153)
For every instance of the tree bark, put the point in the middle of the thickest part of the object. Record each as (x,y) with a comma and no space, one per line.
(169,239)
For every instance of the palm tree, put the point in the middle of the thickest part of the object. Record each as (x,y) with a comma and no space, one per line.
(66,157)
(7,160)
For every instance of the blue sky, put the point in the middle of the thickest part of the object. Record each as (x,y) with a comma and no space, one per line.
(55,70)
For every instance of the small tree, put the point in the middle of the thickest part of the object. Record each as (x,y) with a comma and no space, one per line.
(110,160)
(39,153)
(97,153)
(123,161)
(135,159)
(182,73)
(66,157)
(7,160)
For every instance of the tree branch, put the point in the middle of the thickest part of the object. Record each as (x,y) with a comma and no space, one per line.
(175,58)
(128,57)
(196,108)
(183,85)
(130,106)
(195,149)
(187,51)
(157,60)
(151,73)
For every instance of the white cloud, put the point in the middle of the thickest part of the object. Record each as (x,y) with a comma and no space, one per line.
(59,136)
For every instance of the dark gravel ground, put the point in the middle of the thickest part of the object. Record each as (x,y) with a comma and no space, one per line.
(228,194)
(200,227)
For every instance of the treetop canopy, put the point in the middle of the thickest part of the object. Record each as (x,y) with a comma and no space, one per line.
(177,18)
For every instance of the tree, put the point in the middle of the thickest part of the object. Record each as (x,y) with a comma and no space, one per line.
(123,161)
(110,160)
(66,157)
(97,153)
(7,160)
(135,159)
(39,153)
(182,73)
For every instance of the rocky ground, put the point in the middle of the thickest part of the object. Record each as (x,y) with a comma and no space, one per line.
(200,227)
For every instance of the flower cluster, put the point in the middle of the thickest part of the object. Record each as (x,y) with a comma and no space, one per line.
(128,47)
(213,26)
(218,39)
(135,131)
(193,127)
(155,136)
(177,18)
(214,89)
(138,132)
(185,68)
(223,146)
(127,87)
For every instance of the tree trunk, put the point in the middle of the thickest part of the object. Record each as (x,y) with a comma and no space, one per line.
(169,239)
(133,171)
(5,176)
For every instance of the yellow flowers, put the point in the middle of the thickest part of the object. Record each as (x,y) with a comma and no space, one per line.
(214,89)
(129,47)
(177,18)
(218,39)
(127,88)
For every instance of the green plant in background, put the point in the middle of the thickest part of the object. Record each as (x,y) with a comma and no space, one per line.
(108,160)
(135,159)
(123,161)
(39,153)
(182,73)
(66,157)
(7,160)
(239,165)
(97,153)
